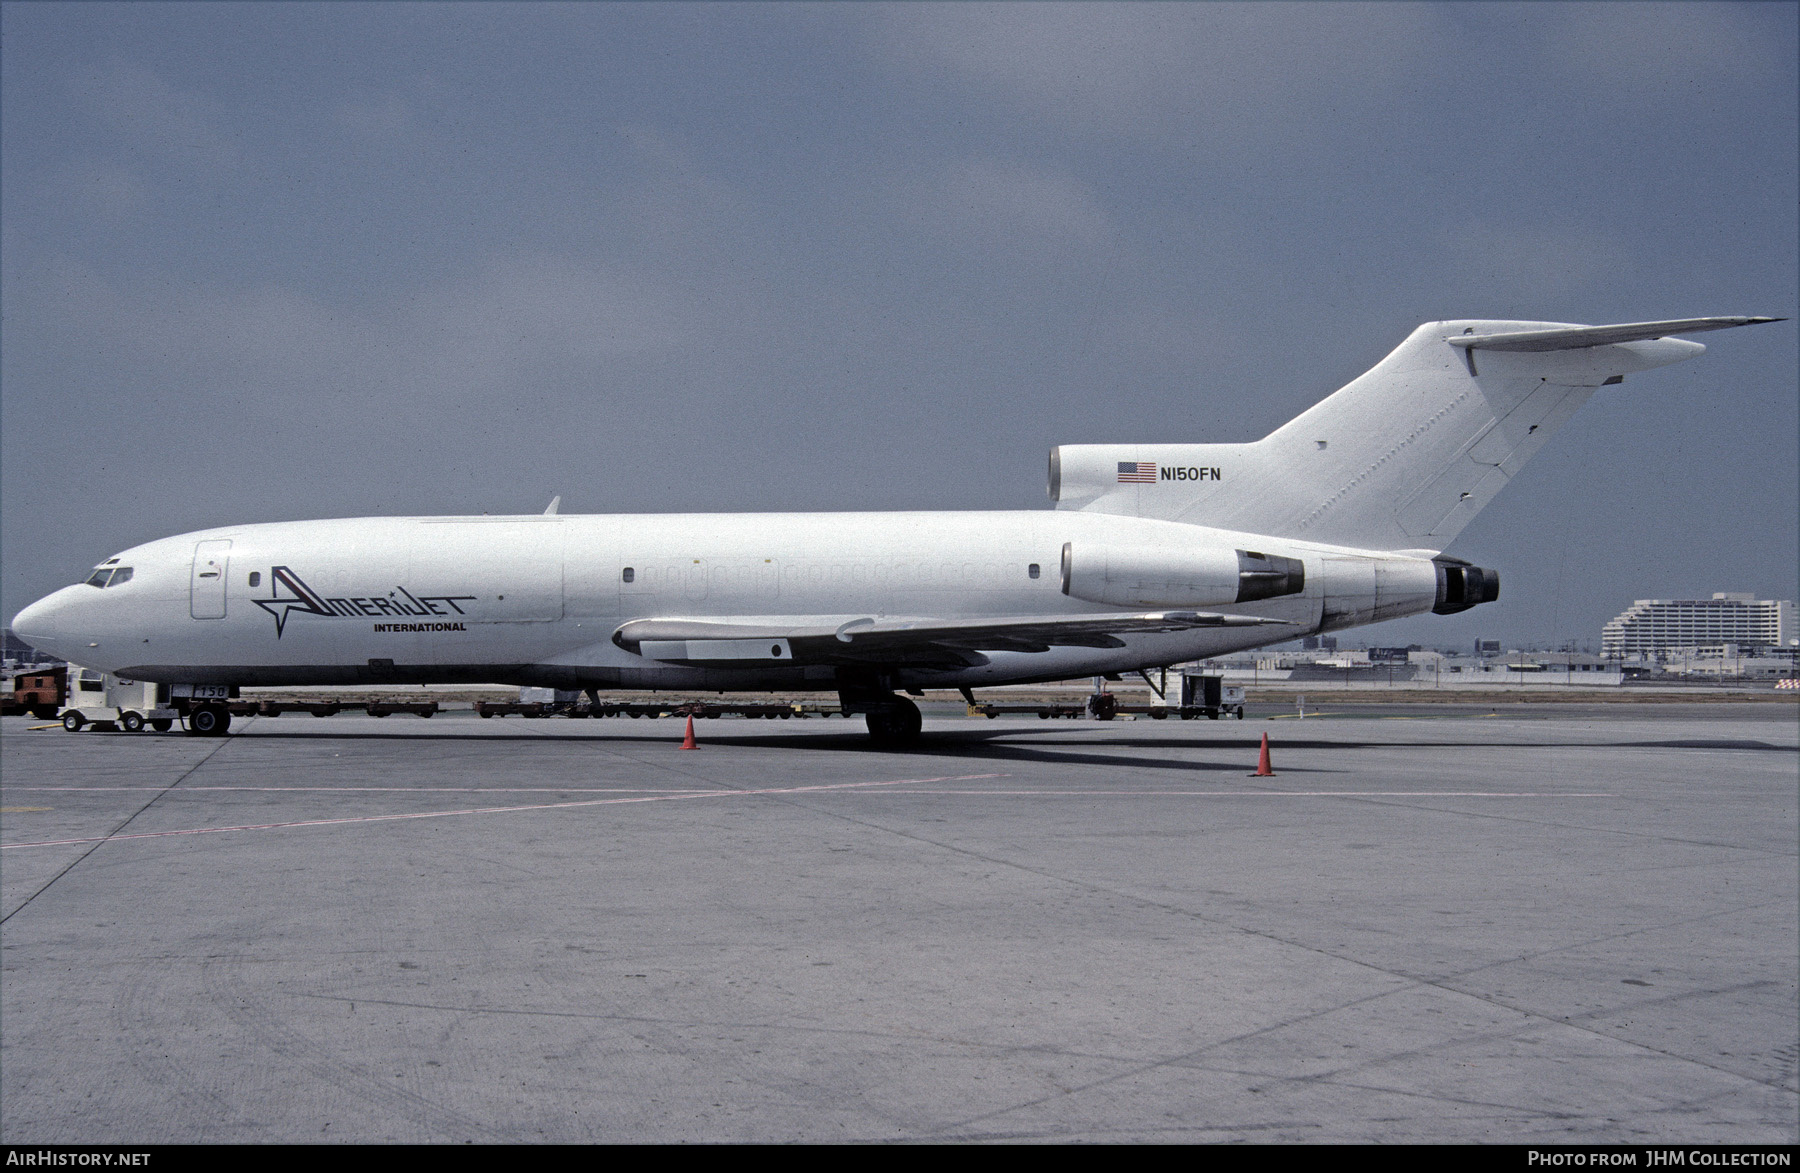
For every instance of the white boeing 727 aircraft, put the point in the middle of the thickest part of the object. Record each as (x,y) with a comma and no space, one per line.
(1156,554)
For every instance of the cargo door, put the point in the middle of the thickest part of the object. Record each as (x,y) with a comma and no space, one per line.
(206,589)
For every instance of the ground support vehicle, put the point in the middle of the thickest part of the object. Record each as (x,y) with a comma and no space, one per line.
(1203,695)
(699,709)
(1071,711)
(107,702)
(38,691)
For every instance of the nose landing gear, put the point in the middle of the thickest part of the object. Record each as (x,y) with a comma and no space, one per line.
(209,721)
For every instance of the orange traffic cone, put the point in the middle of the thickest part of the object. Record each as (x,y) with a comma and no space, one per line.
(688,741)
(1262,761)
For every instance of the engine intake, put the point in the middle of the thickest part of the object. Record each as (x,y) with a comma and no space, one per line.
(1461,586)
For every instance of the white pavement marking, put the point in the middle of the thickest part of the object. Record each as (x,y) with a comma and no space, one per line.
(690,794)
(497,810)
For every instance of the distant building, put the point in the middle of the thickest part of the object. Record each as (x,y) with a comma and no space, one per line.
(1652,627)
(17,651)
(1487,647)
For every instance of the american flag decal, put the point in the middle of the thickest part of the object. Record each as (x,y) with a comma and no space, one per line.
(1136,474)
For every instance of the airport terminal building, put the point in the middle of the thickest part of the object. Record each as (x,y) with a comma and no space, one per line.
(1655,627)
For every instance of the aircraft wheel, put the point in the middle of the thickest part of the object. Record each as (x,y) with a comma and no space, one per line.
(73,722)
(162,724)
(209,721)
(133,722)
(900,723)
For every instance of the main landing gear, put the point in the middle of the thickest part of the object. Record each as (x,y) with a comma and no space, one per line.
(893,720)
(899,724)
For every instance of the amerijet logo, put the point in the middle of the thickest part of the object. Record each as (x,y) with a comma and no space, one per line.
(299,597)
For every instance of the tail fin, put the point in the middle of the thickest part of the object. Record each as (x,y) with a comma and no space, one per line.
(1401,459)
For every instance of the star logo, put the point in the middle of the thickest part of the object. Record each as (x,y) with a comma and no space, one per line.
(299,597)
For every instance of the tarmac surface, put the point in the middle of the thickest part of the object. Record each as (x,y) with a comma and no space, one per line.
(1548,924)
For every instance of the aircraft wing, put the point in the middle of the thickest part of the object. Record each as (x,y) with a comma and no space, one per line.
(1576,337)
(868,640)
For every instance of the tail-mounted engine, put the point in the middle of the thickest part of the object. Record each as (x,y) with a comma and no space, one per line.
(1148,576)
(1461,586)
(1264,576)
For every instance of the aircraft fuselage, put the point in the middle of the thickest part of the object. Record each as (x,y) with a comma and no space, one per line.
(537,599)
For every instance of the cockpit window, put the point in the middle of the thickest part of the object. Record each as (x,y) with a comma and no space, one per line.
(109,576)
(122,574)
(100,576)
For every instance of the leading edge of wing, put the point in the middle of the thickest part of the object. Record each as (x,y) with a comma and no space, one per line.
(1577,337)
(821,640)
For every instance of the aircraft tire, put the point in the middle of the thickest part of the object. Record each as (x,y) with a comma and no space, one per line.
(898,724)
(132,722)
(72,722)
(209,721)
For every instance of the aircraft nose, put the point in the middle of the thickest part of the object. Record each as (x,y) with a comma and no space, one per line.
(39,624)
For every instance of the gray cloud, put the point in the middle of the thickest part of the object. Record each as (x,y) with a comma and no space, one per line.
(1223,74)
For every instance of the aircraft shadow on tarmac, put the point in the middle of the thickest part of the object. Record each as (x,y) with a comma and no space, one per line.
(1070,746)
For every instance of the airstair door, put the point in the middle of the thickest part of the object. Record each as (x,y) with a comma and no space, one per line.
(206,594)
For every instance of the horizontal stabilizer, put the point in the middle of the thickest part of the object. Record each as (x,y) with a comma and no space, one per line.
(1577,337)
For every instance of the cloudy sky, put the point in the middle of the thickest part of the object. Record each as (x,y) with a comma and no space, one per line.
(274,261)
